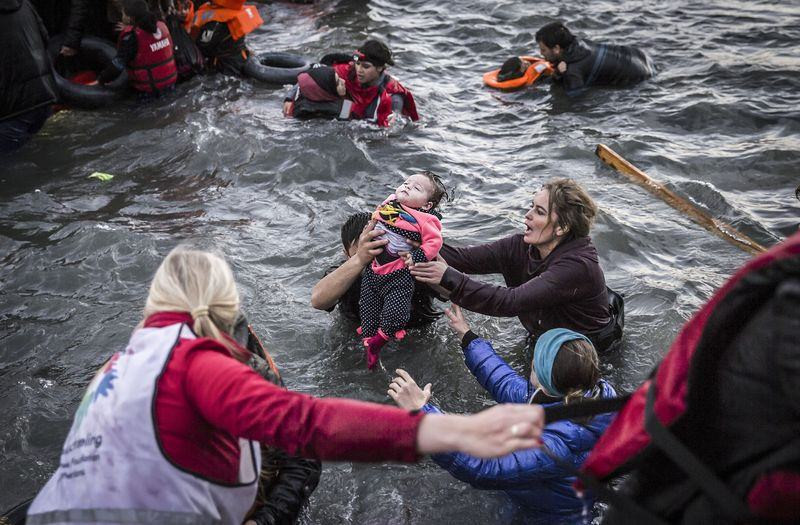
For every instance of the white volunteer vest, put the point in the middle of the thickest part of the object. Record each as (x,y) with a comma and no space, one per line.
(112,468)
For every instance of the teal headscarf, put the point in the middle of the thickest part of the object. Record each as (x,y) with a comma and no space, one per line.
(545,352)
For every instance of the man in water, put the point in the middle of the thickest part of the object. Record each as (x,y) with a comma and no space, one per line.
(580,64)
(341,284)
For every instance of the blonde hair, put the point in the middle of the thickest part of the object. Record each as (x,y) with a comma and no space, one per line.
(201,283)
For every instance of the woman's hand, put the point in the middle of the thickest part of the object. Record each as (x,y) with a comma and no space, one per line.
(369,243)
(406,393)
(457,321)
(494,432)
(429,272)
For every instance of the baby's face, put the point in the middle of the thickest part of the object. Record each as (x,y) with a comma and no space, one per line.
(340,87)
(415,192)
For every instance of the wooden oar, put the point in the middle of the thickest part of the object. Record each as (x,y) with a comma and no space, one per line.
(715,226)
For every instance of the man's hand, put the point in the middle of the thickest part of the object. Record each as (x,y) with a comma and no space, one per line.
(369,243)
(406,393)
(457,321)
(562,67)
(287,108)
(68,51)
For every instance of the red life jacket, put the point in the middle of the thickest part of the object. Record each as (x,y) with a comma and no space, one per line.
(677,386)
(375,102)
(153,69)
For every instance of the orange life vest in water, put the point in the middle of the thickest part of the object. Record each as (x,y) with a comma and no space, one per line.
(537,67)
(241,19)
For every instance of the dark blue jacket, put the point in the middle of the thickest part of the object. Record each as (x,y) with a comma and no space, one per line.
(530,477)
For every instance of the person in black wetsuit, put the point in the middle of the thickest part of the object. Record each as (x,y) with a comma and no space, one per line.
(581,63)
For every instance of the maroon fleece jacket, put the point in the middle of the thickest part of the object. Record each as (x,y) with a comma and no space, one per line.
(566,289)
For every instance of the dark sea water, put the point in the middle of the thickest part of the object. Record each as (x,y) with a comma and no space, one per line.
(217,164)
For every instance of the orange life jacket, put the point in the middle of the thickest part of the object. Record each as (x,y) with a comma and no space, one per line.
(240,20)
(536,68)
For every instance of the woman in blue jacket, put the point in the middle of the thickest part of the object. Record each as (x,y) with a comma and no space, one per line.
(565,370)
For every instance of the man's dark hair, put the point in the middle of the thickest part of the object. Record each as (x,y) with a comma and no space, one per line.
(555,33)
(352,228)
(439,189)
(376,52)
(141,15)
(511,69)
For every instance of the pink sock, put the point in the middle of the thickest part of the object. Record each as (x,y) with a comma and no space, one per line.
(374,345)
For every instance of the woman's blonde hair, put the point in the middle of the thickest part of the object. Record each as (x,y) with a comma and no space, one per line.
(201,283)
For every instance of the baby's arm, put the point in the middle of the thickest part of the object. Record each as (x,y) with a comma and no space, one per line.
(430,229)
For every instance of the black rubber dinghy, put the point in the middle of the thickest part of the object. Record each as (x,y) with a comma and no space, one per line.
(276,68)
(95,54)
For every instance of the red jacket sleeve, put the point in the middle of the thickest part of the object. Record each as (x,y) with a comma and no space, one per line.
(234,398)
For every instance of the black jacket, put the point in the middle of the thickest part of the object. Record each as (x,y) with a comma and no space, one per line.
(74,18)
(594,64)
(26,78)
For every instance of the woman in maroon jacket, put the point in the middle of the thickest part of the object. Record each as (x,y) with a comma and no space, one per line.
(166,431)
(552,274)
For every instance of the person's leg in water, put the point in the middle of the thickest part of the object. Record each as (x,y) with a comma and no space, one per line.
(15,132)
(285,482)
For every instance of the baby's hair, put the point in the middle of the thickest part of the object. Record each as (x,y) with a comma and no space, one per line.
(510,69)
(439,189)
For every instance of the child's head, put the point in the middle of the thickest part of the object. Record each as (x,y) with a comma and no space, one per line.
(422,190)
(565,364)
(136,13)
(321,84)
(512,68)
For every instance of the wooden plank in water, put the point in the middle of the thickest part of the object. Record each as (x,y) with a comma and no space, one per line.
(717,227)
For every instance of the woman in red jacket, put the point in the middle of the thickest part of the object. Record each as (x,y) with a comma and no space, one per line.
(167,430)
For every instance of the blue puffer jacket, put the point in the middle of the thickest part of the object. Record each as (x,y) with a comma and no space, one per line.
(530,477)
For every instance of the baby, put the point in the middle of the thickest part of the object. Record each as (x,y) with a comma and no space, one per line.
(387,285)
(319,92)
(512,68)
